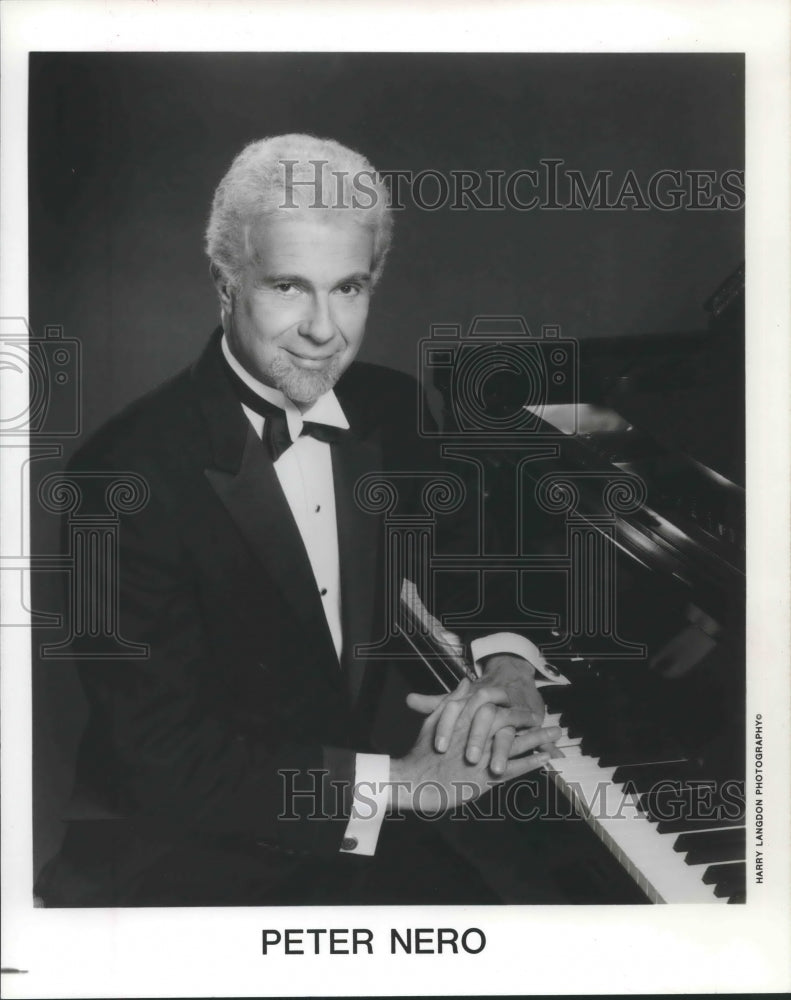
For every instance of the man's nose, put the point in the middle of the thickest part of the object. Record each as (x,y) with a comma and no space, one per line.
(318,323)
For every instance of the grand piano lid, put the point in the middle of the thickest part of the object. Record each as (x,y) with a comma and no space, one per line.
(605,425)
(693,517)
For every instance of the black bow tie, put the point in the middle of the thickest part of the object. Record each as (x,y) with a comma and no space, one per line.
(276,433)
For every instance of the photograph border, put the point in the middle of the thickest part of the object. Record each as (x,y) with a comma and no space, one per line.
(195,952)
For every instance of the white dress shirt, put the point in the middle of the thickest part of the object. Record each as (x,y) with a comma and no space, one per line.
(305,474)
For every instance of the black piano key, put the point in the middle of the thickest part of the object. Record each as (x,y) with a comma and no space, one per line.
(727,879)
(605,740)
(705,855)
(677,800)
(557,697)
(644,752)
(728,889)
(686,841)
(700,804)
(665,804)
(622,734)
(712,847)
(644,777)
(716,874)
(691,823)
(738,897)
(583,721)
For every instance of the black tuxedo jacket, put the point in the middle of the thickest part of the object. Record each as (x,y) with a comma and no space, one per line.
(183,759)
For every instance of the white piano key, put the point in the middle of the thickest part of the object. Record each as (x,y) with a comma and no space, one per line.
(617,819)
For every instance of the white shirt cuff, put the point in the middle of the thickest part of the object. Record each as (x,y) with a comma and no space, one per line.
(369,807)
(518,645)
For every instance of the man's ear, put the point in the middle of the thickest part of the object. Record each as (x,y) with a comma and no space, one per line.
(223,287)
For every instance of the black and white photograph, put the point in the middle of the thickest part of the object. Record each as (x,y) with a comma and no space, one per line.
(388,502)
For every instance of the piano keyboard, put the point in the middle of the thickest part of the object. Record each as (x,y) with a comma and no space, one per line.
(681,859)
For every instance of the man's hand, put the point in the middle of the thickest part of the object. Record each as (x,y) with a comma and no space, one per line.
(502,703)
(433,782)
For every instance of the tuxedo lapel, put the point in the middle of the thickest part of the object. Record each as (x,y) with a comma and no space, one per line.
(243,477)
(359,546)
(254,499)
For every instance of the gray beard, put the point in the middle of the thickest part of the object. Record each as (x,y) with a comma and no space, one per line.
(304,387)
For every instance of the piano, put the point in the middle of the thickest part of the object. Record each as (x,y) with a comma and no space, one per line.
(652,719)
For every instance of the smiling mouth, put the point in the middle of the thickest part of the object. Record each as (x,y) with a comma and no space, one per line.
(303,361)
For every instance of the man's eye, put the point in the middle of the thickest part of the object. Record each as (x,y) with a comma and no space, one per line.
(285,286)
(348,289)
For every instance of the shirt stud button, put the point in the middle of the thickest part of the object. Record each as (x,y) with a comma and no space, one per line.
(318,507)
(349,843)
(323,591)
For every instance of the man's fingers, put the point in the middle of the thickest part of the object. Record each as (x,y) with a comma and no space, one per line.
(424,703)
(447,723)
(534,738)
(480,731)
(441,711)
(520,718)
(481,710)
(501,749)
(524,765)
(489,721)
(477,718)
(487,694)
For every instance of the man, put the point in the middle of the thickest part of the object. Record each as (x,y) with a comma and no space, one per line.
(235,764)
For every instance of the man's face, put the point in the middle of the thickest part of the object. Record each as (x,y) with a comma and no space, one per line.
(298,319)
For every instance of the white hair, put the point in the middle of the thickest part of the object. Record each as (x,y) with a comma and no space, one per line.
(284,173)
